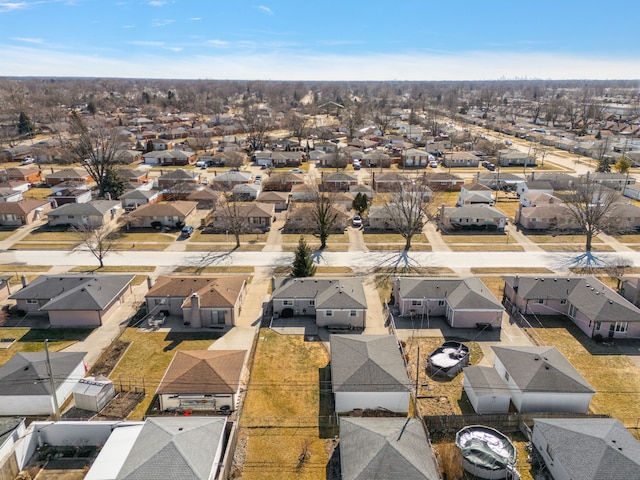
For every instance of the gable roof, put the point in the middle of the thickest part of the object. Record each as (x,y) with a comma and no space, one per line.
(26,372)
(474,211)
(214,292)
(97,208)
(589,295)
(367,363)
(485,381)
(541,369)
(329,293)
(171,447)
(178,208)
(22,207)
(69,173)
(75,292)
(180,174)
(385,448)
(591,448)
(461,293)
(203,372)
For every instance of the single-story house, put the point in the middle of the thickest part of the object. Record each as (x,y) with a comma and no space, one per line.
(66,175)
(472,217)
(177,177)
(413,157)
(279,200)
(24,212)
(245,192)
(475,193)
(93,214)
(535,186)
(444,182)
(558,181)
(390,448)
(227,180)
(28,173)
(338,181)
(206,198)
(538,379)
(460,159)
(463,302)
(72,300)
(339,302)
(499,180)
(390,181)
(390,216)
(133,175)
(300,219)
(169,157)
(8,194)
(539,199)
(202,301)
(595,308)
(586,448)
(254,216)
(510,158)
(166,214)
(287,159)
(617,181)
(25,388)
(135,198)
(556,217)
(63,196)
(368,372)
(203,380)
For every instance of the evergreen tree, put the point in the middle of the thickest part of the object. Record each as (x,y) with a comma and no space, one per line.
(150,147)
(112,184)
(361,203)
(302,263)
(25,127)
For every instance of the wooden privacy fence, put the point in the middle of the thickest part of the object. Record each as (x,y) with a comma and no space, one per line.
(508,422)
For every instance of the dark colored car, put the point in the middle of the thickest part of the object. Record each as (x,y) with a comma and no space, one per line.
(186,231)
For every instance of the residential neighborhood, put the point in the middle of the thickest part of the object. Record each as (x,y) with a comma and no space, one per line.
(257,290)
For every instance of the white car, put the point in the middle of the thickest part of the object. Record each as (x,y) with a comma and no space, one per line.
(433,163)
(357,221)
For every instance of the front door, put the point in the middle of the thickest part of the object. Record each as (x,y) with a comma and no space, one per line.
(612,330)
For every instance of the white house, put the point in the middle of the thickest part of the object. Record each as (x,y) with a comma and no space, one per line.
(368,372)
(475,193)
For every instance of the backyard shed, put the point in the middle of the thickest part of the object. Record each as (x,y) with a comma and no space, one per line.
(93,393)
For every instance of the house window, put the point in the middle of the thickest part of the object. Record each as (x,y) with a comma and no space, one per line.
(71,216)
(563,302)
(441,303)
(287,303)
(329,313)
(622,327)
(312,303)
(352,313)
(598,325)
(416,302)
(539,301)
(32,301)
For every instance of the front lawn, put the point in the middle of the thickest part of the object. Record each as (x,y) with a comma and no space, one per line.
(32,340)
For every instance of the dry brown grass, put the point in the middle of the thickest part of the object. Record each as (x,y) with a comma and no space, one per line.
(293,238)
(507,247)
(509,270)
(229,269)
(12,268)
(484,239)
(614,377)
(574,248)
(282,408)
(579,239)
(495,284)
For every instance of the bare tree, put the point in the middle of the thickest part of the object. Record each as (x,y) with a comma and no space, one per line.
(338,160)
(234,220)
(590,205)
(98,151)
(256,126)
(297,125)
(407,209)
(383,119)
(97,240)
(324,216)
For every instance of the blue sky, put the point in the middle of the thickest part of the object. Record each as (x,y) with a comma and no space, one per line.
(321,40)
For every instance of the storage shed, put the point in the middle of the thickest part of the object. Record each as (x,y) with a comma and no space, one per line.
(93,393)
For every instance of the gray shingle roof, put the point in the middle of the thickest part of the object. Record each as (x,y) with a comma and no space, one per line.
(26,372)
(385,448)
(93,208)
(176,447)
(485,381)
(462,294)
(592,448)
(589,295)
(367,363)
(329,293)
(75,292)
(541,369)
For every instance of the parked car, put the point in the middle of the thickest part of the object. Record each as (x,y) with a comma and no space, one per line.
(433,164)
(357,221)
(186,231)
(296,170)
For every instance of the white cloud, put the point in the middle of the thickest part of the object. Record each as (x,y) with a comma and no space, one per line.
(218,43)
(28,40)
(146,43)
(195,19)
(161,23)
(128,26)
(477,65)
(174,49)
(266,10)
(156,3)
(12,6)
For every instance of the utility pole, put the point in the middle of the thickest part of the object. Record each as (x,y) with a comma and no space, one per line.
(56,408)
(415,405)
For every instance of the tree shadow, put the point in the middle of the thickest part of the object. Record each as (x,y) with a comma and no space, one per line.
(209,259)
(588,263)
(56,335)
(400,262)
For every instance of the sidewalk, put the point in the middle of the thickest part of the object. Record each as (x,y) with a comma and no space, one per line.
(21,233)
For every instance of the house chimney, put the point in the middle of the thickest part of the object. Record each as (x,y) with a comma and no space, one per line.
(23,279)
(516,283)
(149,282)
(196,321)
(107,196)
